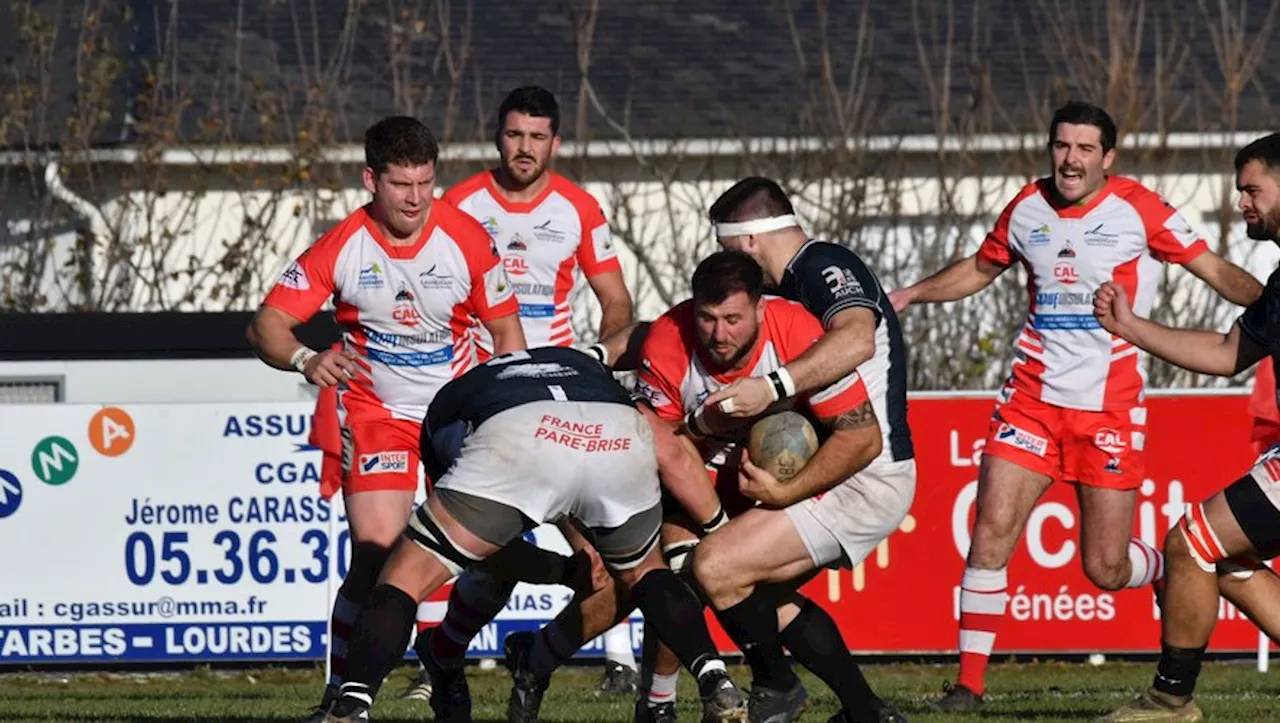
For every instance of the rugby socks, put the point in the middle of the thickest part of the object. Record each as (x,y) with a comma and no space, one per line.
(1177,671)
(982,603)
(345,613)
(556,642)
(617,645)
(815,642)
(675,614)
(663,689)
(431,612)
(476,599)
(1146,563)
(753,625)
(377,642)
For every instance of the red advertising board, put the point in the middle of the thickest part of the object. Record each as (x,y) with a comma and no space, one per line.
(905,598)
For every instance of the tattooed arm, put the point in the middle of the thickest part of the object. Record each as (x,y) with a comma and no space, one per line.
(855,440)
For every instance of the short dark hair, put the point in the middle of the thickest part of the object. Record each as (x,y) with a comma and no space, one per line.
(751,198)
(724,273)
(531,100)
(1265,149)
(1077,112)
(399,140)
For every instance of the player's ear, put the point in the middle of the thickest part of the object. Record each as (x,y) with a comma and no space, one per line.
(370,180)
(760,310)
(1108,158)
(555,145)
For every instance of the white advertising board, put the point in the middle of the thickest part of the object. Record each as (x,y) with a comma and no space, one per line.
(180,532)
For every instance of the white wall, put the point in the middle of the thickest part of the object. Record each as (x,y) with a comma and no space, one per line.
(164,380)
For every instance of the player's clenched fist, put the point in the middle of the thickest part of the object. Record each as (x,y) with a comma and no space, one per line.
(331,367)
(1112,309)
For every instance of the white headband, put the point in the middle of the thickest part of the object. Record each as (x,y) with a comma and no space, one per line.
(757,225)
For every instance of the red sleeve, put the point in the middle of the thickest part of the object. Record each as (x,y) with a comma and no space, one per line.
(309,280)
(664,362)
(596,251)
(1169,235)
(995,247)
(492,296)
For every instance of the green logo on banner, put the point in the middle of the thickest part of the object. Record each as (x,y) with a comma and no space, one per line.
(55,460)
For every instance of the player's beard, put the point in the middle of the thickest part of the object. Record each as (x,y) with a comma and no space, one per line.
(526,176)
(731,362)
(1266,228)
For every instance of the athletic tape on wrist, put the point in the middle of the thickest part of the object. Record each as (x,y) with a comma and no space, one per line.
(301,357)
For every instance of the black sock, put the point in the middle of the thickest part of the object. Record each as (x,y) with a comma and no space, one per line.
(753,625)
(476,599)
(377,641)
(1178,669)
(674,614)
(815,642)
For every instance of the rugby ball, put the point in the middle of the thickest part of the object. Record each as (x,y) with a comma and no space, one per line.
(782,443)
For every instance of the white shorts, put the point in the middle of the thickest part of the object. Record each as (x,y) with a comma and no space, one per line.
(846,523)
(593,461)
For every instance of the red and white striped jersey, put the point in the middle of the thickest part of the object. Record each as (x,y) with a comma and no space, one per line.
(407,310)
(546,245)
(1063,356)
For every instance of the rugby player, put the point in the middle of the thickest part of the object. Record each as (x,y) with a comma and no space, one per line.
(527,438)
(550,233)
(851,495)
(409,277)
(1220,545)
(1072,407)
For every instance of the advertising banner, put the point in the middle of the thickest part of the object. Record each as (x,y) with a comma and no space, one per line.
(194,532)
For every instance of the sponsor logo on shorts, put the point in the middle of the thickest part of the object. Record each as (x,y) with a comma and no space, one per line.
(384,463)
(1110,441)
(1014,437)
(579,435)
(1113,466)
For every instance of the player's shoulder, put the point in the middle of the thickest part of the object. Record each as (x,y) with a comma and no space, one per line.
(673,322)
(817,255)
(460,226)
(1143,198)
(784,312)
(1034,191)
(459,192)
(336,238)
(577,196)
(787,321)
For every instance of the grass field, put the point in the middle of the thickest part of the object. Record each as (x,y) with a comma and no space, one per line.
(1020,692)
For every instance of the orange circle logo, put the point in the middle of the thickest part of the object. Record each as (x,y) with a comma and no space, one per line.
(111,431)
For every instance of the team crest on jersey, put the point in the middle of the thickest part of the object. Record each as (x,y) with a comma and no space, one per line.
(1039,236)
(405,312)
(517,243)
(295,278)
(546,232)
(1067,252)
(371,277)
